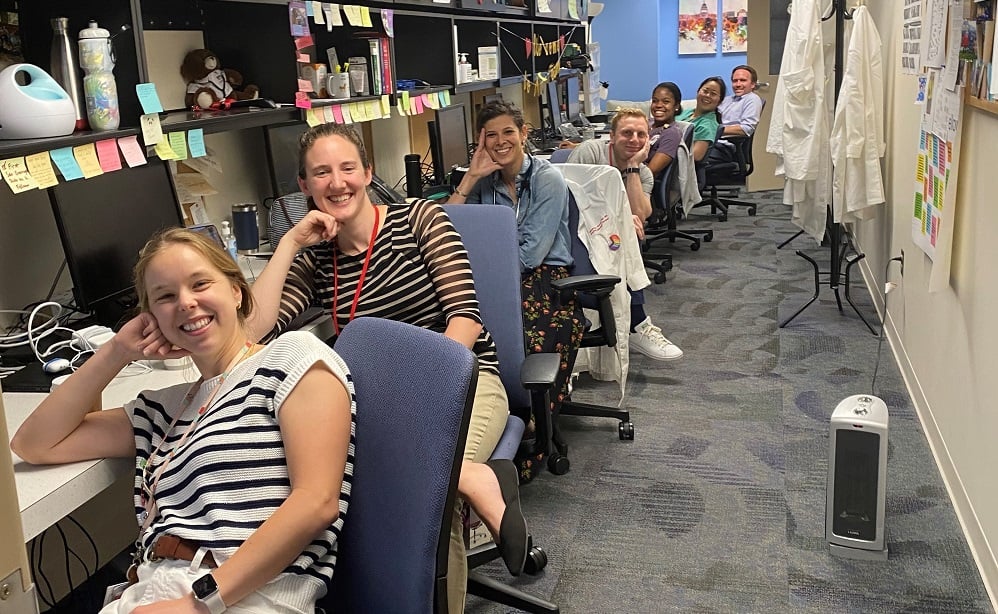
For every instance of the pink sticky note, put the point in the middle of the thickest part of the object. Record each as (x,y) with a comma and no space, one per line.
(132,151)
(107,155)
(304,85)
(303,41)
(425,98)
(303,58)
(419,103)
(302,100)
(337,113)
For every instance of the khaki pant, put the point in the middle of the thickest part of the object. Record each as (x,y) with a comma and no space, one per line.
(488,420)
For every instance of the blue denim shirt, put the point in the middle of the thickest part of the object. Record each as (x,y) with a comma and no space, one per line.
(541,211)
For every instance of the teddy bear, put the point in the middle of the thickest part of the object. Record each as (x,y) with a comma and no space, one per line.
(208,83)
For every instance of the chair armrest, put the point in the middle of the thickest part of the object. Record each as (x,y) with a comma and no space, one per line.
(539,370)
(593,284)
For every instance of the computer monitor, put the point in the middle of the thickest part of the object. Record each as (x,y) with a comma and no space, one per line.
(573,108)
(282,156)
(448,141)
(103,222)
(554,105)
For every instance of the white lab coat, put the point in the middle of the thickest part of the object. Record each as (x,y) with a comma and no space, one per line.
(857,139)
(799,131)
(604,222)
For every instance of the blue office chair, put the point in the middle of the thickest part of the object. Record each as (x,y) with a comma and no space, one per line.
(414,390)
(559,156)
(489,235)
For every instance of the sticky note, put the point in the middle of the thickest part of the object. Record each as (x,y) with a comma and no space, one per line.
(357,112)
(303,41)
(178,143)
(419,103)
(152,130)
(365,17)
(310,118)
(66,163)
(302,100)
(353,14)
(445,98)
(309,9)
(304,85)
(107,155)
(388,19)
(130,148)
(16,174)
(327,115)
(86,156)
(40,167)
(148,98)
(195,140)
(303,58)
(412,105)
(317,13)
(404,102)
(164,151)
(345,111)
(338,114)
(333,15)
(573,10)
(386,106)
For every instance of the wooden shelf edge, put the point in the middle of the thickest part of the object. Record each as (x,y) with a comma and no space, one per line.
(984,105)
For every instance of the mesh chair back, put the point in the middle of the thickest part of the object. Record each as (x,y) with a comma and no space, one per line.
(489,235)
(414,390)
(559,156)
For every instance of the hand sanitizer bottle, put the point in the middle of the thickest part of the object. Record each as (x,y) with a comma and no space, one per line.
(463,68)
(229,240)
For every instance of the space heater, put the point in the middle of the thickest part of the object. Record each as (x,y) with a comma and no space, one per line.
(857,478)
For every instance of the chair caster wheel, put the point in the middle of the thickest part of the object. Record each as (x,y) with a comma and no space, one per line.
(708,237)
(659,278)
(558,464)
(694,247)
(722,218)
(625,430)
(561,448)
(537,560)
(751,211)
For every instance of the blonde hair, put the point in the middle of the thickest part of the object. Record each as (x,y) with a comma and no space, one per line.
(626,112)
(208,249)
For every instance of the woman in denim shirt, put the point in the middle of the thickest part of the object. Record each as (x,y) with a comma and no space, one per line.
(503,173)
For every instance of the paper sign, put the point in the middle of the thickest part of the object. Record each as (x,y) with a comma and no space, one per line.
(365,17)
(148,98)
(353,14)
(445,98)
(178,143)
(164,151)
(86,156)
(338,114)
(195,140)
(17,176)
(388,19)
(152,130)
(298,18)
(327,115)
(311,119)
(345,110)
(66,163)
(302,100)
(333,15)
(40,167)
(107,155)
(130,148)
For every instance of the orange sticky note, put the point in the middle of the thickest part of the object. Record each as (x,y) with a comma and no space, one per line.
(86,157)
(107,155)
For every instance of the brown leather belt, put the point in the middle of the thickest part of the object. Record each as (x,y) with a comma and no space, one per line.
(172,547)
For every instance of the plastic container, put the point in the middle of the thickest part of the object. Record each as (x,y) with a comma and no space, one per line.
(463,68)
(245,227)
(359,85)
(99,88)
(36,110)
(229,240)
(65,68)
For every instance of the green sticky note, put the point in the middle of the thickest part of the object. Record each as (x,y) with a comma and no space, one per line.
(178,143)
(445,98)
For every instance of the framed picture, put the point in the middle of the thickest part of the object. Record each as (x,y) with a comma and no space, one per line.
(697,27)
(734,26)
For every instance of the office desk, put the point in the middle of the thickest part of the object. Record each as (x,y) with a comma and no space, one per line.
(48,493)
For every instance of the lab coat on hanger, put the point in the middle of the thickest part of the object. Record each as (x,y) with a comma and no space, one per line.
(799,131)
(857,140)
(607,231)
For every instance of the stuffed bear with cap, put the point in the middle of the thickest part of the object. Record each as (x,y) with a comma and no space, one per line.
(208,82)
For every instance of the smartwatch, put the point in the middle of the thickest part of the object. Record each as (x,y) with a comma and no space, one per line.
(206,591)
(630,169)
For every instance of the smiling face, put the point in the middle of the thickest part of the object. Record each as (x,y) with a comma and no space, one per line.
(628,138)
(741,82)
(708,97)
(194,303)
(663,106)
(336,178)
(504,142)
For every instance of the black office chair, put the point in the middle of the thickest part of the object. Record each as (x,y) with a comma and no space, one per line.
(724,180)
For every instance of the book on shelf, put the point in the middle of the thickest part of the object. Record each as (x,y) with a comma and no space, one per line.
(380,62)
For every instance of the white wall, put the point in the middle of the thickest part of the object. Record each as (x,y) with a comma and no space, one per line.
(944,341)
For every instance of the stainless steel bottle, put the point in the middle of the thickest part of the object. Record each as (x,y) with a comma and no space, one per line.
(65,69)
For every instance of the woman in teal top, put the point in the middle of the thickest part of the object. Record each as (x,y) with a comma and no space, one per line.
(705,117)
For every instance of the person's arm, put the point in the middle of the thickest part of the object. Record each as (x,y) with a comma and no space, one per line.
(586,152)
(658,162)
(286,282)
(482,165)
(700,149)
(546,208)
(637,185)
(751,111)
(61,430)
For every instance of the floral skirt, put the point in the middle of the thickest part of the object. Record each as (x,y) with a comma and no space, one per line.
(549,325)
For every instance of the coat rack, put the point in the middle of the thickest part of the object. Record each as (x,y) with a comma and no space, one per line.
(839,240)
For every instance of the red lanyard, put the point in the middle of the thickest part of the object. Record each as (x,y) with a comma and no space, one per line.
(149,490)
(360,282)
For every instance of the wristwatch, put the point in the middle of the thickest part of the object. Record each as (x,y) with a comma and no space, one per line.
(630,169)
(206,591)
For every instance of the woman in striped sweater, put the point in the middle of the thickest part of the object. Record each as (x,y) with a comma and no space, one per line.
(242,478)
(404,263)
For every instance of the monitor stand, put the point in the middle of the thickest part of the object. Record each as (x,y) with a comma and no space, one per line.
(115,311)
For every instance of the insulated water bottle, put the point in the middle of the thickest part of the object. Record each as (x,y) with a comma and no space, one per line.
(99,89)
(64,68)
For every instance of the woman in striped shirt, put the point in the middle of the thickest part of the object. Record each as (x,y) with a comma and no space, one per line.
(243,478)
(404,263)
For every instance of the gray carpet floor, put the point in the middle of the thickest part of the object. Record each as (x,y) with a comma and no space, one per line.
(718,503)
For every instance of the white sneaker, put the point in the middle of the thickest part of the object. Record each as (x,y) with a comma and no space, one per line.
(649,340)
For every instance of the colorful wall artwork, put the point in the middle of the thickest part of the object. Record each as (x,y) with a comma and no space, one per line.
(734,26)
(697,27)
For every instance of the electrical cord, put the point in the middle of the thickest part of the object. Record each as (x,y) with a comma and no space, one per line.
(883,322)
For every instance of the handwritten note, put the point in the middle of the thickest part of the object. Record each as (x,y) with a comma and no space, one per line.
(40,167)
(302,101)
(386,106)
(152,130)
(86,155)
(328,115)
(345,111)
(311,119)
(353,14)
(934,33)
(333,15)
(195,140)
(148,98)
(16,174)
(164,151)
(178,143)
(66,162)
(107,155)
(130,148)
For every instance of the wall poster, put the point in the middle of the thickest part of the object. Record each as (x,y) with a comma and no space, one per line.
(697,27)
(734,26)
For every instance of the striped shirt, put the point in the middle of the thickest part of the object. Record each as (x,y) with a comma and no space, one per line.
(419,274)
(231,474)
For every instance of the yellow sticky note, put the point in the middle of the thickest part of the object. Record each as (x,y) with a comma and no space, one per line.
(573,10)
(328,116)
(178,143)
(164,151)
(386,106)
(353,14)
(16,174)
(372,109)
(86,157)
(40,167)
(357,112)
(310,118)
(347,112)
(403,103)
(365,17)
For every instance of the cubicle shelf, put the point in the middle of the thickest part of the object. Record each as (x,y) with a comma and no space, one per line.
(328,102)
(984,105)
(510,80)
(474,86)
(26,147)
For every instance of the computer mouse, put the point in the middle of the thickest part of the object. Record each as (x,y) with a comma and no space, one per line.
(56,365)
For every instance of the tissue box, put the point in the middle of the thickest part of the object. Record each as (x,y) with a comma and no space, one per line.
(488,63)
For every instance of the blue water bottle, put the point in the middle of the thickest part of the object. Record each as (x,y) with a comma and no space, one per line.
(244,226)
